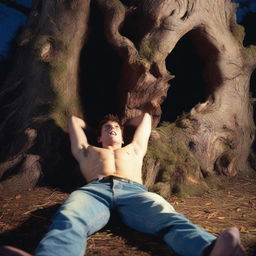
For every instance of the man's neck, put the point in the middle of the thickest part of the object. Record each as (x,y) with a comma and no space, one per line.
(112,146)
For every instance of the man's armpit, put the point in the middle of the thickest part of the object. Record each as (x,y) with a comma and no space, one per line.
(85,151)
(138,150)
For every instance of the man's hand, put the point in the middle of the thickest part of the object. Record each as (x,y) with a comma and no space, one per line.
(78,121)
(77,136)
(154,136)
(135,121)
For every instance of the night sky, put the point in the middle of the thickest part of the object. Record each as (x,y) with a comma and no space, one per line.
(11,20)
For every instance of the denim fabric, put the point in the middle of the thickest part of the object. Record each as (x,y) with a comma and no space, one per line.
(88,209)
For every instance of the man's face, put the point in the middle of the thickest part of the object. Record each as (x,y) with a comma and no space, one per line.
(111,132)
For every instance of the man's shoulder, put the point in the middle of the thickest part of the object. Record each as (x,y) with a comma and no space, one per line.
(87,152)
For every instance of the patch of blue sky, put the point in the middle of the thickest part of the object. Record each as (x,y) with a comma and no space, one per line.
(244,7)
(10,22)
(241,1)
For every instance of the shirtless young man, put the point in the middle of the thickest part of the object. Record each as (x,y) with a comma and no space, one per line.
(114,182)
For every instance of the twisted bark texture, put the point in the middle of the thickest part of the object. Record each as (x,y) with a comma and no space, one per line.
(51,80)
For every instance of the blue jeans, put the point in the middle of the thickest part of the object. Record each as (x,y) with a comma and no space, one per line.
(88,209)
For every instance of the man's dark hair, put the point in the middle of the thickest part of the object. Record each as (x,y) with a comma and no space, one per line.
(106,118)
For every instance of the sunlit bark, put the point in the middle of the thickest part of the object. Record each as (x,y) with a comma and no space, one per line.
(44,87)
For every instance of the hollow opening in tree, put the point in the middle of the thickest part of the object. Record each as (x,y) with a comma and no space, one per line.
(253,97)
(193,61)
(249,23)
(253,91)
(134,27)
(99,73)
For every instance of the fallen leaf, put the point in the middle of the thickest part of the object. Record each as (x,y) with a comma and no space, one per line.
(213,214)
(242,229)
(18,197)
(196,215)
(251,203)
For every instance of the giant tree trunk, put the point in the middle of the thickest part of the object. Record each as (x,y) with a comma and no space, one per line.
(58,72)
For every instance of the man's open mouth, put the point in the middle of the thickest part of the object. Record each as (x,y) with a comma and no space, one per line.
(112,133)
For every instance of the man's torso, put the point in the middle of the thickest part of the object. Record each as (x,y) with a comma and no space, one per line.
(125,162)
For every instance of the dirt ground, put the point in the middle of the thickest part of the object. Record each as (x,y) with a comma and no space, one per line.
(24,219)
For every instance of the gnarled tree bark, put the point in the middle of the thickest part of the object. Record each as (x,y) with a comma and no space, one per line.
(53,77)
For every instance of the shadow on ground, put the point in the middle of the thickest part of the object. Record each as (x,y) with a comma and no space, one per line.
(114,237)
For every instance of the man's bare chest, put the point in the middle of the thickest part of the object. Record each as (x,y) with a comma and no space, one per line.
(95,156)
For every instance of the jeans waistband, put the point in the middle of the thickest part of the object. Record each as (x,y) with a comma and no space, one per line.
(113,177)
(110,178)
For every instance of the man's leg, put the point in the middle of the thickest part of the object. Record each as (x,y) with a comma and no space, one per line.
(84,212)
(150,213)
(12,251)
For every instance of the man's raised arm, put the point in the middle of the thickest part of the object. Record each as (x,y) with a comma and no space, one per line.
(142,132)
(77,136)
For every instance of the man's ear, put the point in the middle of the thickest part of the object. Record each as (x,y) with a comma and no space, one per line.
(99,139)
